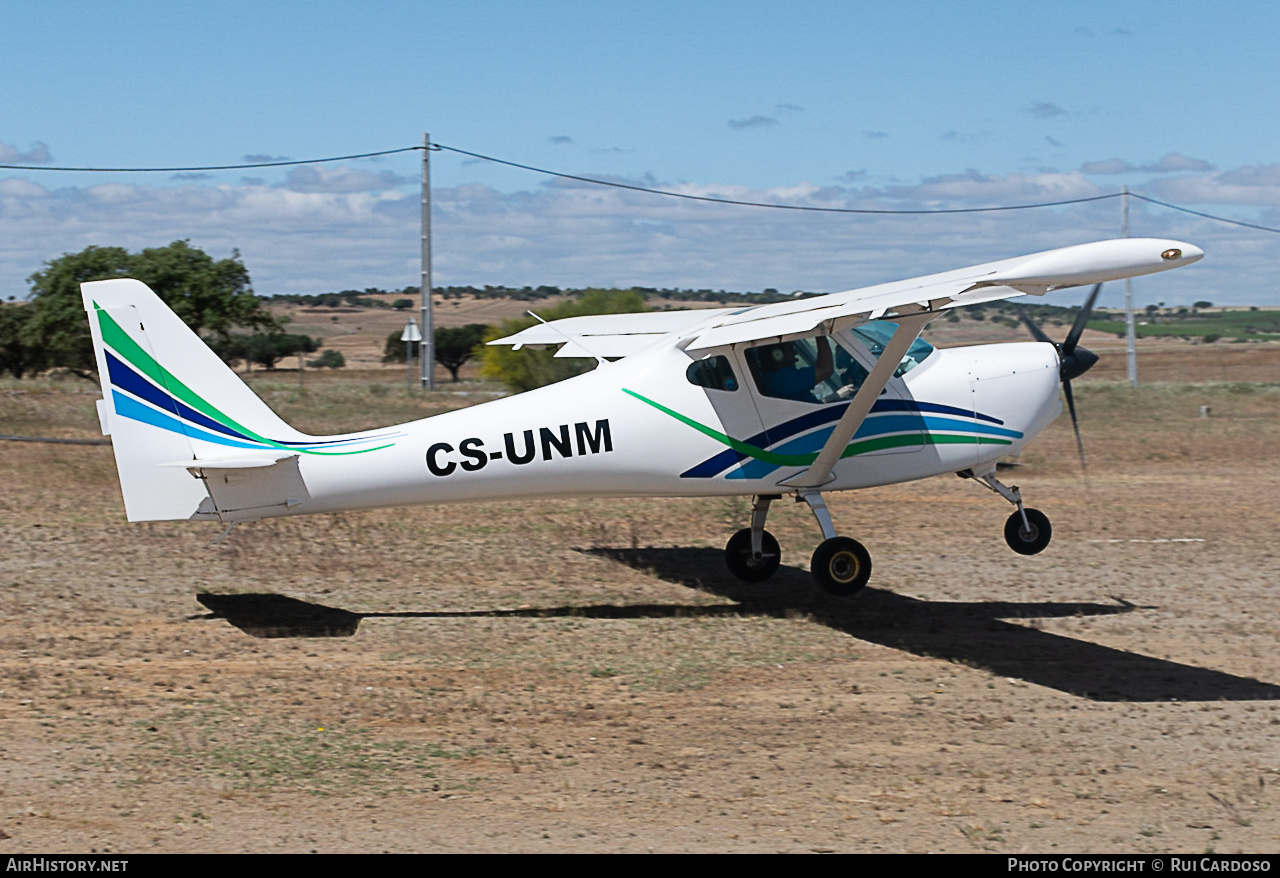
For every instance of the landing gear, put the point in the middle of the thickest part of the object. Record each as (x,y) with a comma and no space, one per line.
(743,563)
(1029,536)
(1027,531)
(841,566)
(752,554)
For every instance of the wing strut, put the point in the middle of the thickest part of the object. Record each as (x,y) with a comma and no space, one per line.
(819,472)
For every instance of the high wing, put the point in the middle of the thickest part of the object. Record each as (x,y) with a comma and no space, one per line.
(620,335)
(611,335)
(911,303)
(1035,274)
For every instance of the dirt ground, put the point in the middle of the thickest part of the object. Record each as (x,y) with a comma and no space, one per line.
(585,676)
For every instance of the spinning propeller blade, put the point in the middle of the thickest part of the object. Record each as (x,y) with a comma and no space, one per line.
(1073,361)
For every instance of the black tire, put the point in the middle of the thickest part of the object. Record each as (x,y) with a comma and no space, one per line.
(1032,541)
(841,566)
(742,564)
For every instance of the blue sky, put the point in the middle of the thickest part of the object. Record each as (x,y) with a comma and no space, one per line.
(914,105)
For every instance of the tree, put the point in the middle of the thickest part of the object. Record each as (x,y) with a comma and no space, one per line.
(526,369)
(394,350)
(455,345)
(18,355)
(264,348)
(210,296)
(330,359)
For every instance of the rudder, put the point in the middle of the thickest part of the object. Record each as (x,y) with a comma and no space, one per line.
(169,401)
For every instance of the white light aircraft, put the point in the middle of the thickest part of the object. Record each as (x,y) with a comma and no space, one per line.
(829,393)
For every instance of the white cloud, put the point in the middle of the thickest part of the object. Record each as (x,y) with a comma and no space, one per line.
(1172,162)
(571,233)
(973,188)
(20,188)
(1253,184)
(339,178)
(38,154)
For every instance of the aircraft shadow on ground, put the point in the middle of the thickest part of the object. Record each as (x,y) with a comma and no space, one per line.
(977,635)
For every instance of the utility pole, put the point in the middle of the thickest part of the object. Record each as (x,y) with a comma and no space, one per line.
(426,347)
(1130,332)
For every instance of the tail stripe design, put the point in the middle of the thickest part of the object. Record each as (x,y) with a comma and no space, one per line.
(182,411)
(130,408)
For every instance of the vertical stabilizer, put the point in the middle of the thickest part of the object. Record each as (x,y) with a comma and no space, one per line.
(169,400)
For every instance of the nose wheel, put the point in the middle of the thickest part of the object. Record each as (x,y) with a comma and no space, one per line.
(1027,531)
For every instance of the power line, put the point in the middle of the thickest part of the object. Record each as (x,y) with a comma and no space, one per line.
(671,194)
(1221,219)
(663,192)
(338,158)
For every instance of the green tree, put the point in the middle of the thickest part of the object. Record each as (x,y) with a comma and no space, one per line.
(211,296)
(330,359)
(394,350)
(18,355)
(264,348)
(455,345)
(526,369)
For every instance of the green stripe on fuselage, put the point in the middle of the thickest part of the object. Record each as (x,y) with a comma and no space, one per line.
(875,443)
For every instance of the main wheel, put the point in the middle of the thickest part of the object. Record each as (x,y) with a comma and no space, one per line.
(841,566)
(744,565)
(1028,540)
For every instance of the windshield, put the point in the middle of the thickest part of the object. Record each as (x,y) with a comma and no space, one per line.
(875,336)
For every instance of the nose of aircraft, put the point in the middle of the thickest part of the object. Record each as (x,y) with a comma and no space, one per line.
(1076,362)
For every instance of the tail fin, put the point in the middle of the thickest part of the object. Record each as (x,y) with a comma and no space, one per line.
(174,410)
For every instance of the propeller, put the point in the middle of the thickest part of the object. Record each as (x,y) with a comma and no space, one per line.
(1073,361)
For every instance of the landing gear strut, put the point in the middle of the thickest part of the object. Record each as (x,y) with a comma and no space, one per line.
(841,566)
(752,554)
(1027,531)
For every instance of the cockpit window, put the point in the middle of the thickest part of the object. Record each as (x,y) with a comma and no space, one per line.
(875,336)
(713,372)
(816,370)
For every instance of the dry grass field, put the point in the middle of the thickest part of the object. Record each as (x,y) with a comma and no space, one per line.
(585,676)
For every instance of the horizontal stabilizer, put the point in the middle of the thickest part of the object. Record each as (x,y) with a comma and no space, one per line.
(251,489)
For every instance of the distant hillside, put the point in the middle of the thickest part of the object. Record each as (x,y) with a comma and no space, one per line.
(372,297)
